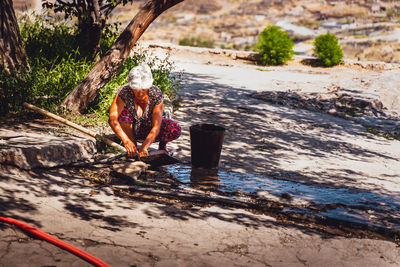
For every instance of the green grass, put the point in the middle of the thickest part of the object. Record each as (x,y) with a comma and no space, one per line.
(262,69)
(197,42)
(375,132)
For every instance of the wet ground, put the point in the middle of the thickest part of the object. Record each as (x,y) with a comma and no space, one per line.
(340,210)
(334,210)
(374,210)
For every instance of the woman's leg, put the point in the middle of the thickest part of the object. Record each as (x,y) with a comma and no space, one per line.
(162,145)
(170,130)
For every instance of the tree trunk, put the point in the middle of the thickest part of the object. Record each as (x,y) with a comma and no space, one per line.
(91,26)
(12,53)
(107,67)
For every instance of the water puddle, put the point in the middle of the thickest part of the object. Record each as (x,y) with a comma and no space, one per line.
(346,204)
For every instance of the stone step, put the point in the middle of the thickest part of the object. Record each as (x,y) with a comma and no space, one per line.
(31,150)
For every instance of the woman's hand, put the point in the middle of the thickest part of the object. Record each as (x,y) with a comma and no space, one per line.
(130,148)
(123,132)
(143,152)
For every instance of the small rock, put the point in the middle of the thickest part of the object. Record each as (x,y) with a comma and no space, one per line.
(332,111)
(131,170)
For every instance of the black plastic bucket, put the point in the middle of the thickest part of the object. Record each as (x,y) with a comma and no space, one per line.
(206,144)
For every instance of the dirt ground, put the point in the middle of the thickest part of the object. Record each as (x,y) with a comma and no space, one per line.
(158,225)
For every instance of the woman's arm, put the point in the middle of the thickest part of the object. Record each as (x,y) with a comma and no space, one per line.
(115,111)
(157,118)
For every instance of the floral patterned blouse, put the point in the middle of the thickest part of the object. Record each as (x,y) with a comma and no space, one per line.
(141,125)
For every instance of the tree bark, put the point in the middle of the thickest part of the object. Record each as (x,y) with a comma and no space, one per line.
(90,28)
(12,52)
(107,67)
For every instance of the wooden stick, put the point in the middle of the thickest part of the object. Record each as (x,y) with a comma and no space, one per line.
(74,125)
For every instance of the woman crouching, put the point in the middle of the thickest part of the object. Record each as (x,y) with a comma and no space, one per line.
(136,114)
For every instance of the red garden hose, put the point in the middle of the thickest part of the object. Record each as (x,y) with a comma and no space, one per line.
(80,253)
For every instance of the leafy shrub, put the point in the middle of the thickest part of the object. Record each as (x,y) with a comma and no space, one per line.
(233,46)
(392,13)
(274,46)
(48,39)
(55,66)
(58,38)
(328,50)
(51,83)
(45,84)
(197,42)
(110,34)
(12,91)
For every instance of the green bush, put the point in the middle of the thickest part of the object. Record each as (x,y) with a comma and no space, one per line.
(48,39)
(110,34)
(12,91)
(197,42)
(45,84)
(55,66)
(328,50)
(274,46)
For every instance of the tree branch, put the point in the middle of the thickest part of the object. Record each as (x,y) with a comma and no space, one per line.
(107,67)
(108,8)
(60,2)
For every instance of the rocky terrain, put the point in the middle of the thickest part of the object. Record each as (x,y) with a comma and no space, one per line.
(368,30)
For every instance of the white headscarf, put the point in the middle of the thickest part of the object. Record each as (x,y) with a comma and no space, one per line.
(140,77)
